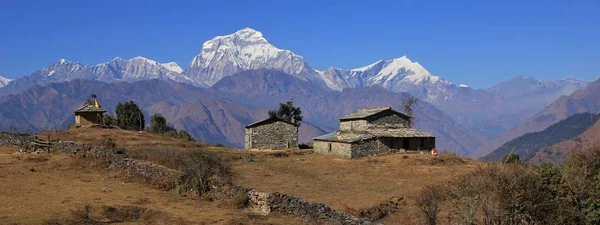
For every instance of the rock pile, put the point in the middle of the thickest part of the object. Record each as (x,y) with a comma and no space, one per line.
(16,139)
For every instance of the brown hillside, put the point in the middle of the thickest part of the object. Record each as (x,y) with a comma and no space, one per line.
(55,189)
(584,100)
(558,153)
(347,185)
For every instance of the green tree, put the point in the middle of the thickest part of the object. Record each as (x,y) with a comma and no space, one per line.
(511,158)
(109,120)
(129,116)
(159,124)
(288,112)
(182,134)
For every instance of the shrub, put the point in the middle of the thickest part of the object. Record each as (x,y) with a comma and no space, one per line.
(510,158)
(429,202)
(185,135)
(219,145)
(205,172)
(129,116)
(109,143)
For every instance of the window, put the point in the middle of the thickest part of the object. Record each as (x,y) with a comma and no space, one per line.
(329,147)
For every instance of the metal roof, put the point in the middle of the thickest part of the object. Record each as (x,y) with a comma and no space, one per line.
(267,121)
(90,108)
(366,112)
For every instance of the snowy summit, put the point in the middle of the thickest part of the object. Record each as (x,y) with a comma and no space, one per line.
(4,81)
(245,49)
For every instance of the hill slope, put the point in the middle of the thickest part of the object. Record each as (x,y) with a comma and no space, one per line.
(558,152)
(529,144)
(584,100)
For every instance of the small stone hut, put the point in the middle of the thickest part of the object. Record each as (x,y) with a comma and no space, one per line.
(89,115)
(373,131)
(272,133)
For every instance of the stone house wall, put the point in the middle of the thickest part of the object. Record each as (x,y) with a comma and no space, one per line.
(366,148)
(382,120)
(88,118)
(333,148)
(387,120)
(275,135)
(353,125)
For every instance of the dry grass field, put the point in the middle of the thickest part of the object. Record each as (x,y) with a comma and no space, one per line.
(344,184)
(55,189)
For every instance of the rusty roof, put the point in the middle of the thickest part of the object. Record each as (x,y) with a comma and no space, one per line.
(366,112)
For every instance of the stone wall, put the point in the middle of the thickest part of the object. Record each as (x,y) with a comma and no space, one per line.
(387,120)
(263,203)
(16,139)
(366,148)
(275,135)
(163,176)
(333,148)
(353,125)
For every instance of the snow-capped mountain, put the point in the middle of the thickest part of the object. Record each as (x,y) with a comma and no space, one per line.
(138,68)
(244,50)
(4,81)
(135,69)
(396,75)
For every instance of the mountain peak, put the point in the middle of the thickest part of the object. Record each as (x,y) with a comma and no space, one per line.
(245,49)
(4,81)
(172,66)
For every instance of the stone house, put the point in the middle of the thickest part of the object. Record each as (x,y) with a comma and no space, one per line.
(89,115)
(372,131)
(272,133)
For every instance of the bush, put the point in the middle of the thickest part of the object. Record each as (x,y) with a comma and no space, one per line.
(429,202)
(204,173)
(220,145)
(511,158)
(159,125)
(129,116)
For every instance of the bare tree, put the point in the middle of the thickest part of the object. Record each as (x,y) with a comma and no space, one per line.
(408,105)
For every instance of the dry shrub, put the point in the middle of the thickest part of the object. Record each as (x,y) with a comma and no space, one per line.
(167,156)
(494,194)
(429,202)
(104,215)
(448,158)
(205,174)
(382,210)
(109,143)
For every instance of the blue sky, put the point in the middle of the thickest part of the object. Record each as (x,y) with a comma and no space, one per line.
(478,43)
